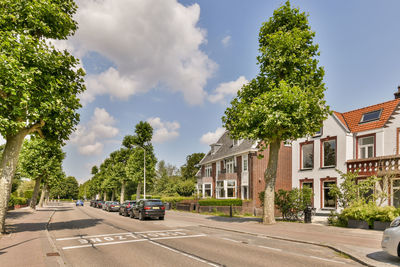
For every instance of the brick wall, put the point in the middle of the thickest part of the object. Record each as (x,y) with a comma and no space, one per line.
(258,167)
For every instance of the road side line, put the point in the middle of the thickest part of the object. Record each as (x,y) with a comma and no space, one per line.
(160,231)
(323,259)
(186,254)
(230,240)
(105,244)
(276,249)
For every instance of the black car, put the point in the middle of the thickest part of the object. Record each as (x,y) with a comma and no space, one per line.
(111,206)
(148,208)
(126,207)
(93,203)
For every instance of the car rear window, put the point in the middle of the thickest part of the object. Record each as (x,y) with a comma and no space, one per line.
(153,202)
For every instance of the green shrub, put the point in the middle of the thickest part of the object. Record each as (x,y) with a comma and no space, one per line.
(292,203)
(368,212)
(133,197)
(174,200)
(28,194)
(220,202)
(16,201)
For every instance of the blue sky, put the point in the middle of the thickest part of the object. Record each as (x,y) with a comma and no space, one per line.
(177,64)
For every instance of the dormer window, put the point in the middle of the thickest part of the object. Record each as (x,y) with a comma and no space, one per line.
(237,142)
(371,116)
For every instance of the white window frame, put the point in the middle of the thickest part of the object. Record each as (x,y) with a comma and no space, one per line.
(218,188)
(245,163)
(204,190)
(208,170)
(393,188)
(230,165)
(245,196)
(360,147)
(234,187)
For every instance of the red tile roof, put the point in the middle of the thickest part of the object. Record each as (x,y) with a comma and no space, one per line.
(351,119)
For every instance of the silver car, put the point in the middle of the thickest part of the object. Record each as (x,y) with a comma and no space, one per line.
(391,238)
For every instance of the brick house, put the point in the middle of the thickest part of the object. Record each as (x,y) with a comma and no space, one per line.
(365,139)
(232,169)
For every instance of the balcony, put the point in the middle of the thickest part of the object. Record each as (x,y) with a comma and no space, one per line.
(375,166)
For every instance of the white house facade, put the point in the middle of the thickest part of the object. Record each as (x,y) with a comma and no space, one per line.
(364,140)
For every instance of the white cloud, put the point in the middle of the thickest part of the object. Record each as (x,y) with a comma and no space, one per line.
(226,40)
(212,137)
(2,140)
(164,131)
(90,138)
(227,89)
(151,43)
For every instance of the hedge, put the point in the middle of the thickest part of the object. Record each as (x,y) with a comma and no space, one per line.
(133,197)
(220,202)
(16,201)
(173,200)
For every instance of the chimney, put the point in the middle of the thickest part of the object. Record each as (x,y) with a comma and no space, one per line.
(397,94)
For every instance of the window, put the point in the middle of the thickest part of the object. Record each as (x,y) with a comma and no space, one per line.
(207,190)
(230,165)
(220,189)
(396,192)
(245,163)
(329,153)
(366,147)
(319,133)
(237,142)
(231,188)
(371,116)
(308,183)
(307,156)
(208,170)
(328,201)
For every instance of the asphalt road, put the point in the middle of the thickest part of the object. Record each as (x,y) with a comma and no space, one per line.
(87,236)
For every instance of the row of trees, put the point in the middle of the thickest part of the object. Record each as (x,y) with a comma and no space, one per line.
(122,173)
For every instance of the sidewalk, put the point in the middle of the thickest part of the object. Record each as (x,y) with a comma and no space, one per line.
(27,242)
(362,245)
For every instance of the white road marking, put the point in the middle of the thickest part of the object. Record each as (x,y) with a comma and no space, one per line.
(90,236)
(129,241)
(323,259)
(185,254)
(276,249)
(230,240)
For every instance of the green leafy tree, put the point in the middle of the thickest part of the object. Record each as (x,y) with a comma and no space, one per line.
(142,153)
(38,84)
(39,160)
(66,188)
(286,100)
(190,168)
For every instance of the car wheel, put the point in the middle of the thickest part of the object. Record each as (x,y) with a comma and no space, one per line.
(131,215)
(120,213)
(161,217)
(141,217)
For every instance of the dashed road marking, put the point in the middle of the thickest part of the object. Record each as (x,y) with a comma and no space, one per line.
(276,249)
(323,259)
(228,239)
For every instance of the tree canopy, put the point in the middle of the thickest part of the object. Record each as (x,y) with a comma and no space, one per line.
(286,99)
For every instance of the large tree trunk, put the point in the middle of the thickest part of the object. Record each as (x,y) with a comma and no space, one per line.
(112,194)
(8,165)
(122,192)
(138,189)
(270,179)
(42,196)
(35,193)
(105,196)
(47,195)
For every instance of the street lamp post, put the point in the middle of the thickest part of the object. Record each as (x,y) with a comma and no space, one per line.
(144,173)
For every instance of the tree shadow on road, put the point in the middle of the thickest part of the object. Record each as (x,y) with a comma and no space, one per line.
(234,219)
(382,256)
(17,214)
(41,226)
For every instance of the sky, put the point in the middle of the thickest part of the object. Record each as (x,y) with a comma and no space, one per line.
(178,64)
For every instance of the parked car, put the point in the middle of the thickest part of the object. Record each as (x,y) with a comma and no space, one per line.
(391,238)
(126,207)
(112,206)
(79,202)
(148,208)
(99,204)
(104,206)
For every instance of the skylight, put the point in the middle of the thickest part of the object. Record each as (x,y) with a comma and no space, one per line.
(371,116)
